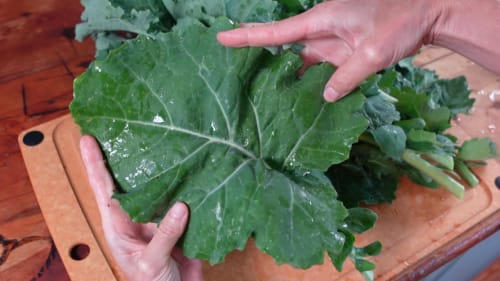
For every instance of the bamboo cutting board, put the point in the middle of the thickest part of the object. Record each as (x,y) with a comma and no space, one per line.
(415,228)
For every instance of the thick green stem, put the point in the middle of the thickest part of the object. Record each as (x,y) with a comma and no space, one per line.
(368,275)
(466,173)
(434,173)
(444,160)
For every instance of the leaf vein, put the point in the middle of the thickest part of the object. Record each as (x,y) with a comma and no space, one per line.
(212,91)
(215,189)
(187,132)
(153,92)
(301,138)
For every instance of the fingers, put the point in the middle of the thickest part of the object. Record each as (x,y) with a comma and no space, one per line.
(268,34)
(169,231)
(333,50)
(364,62)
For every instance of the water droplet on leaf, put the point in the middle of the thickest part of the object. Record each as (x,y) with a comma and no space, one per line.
(158,119)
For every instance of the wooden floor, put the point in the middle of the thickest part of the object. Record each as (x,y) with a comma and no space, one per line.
(39,60)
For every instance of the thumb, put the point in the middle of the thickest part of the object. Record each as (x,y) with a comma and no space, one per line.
(99,178)
(362,63)
(169,231)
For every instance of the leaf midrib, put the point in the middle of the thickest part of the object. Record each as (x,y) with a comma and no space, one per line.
(211,90)
(213,139)
(302,137)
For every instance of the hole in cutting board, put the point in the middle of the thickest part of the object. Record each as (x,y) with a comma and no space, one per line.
(497,182)
(79,252)
(33,138)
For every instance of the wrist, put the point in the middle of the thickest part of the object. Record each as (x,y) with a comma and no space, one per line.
(468,27)
(440,14)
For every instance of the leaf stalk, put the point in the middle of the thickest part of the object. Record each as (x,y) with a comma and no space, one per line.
(435,173)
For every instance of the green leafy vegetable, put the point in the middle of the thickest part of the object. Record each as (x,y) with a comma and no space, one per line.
(111,22)
(477,149)
(408,109)
(213,137)
(249,146)
(361,264)
(239,10)
(368,176)
(103,19)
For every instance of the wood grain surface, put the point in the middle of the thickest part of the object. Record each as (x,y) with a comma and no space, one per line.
(39,60)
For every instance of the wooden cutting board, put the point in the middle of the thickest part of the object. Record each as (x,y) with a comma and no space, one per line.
(417,224)
(414,230)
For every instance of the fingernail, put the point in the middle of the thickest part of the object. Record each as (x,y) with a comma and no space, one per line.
(330,94)
(177,211)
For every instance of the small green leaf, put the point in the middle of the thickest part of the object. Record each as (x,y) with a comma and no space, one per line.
(293,7)
(391,140)
(421,140)
(452,94)
(411,124)
(412,104)
(338,258)
(372,249)
(436,119)
(477,149)
(380,112)
(360,219)
(388,79)
(363,265)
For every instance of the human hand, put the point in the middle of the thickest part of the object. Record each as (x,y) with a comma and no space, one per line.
(142,251)
(360,37)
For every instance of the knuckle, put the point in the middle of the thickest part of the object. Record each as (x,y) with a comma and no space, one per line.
(170,227)
(155,271)
(146,270)
(343,84)
(342,80)
(373,55)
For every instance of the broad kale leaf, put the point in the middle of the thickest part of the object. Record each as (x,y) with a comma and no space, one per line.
(245,142)
(103,19)
(112,22)
(233,133)
(237,10)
